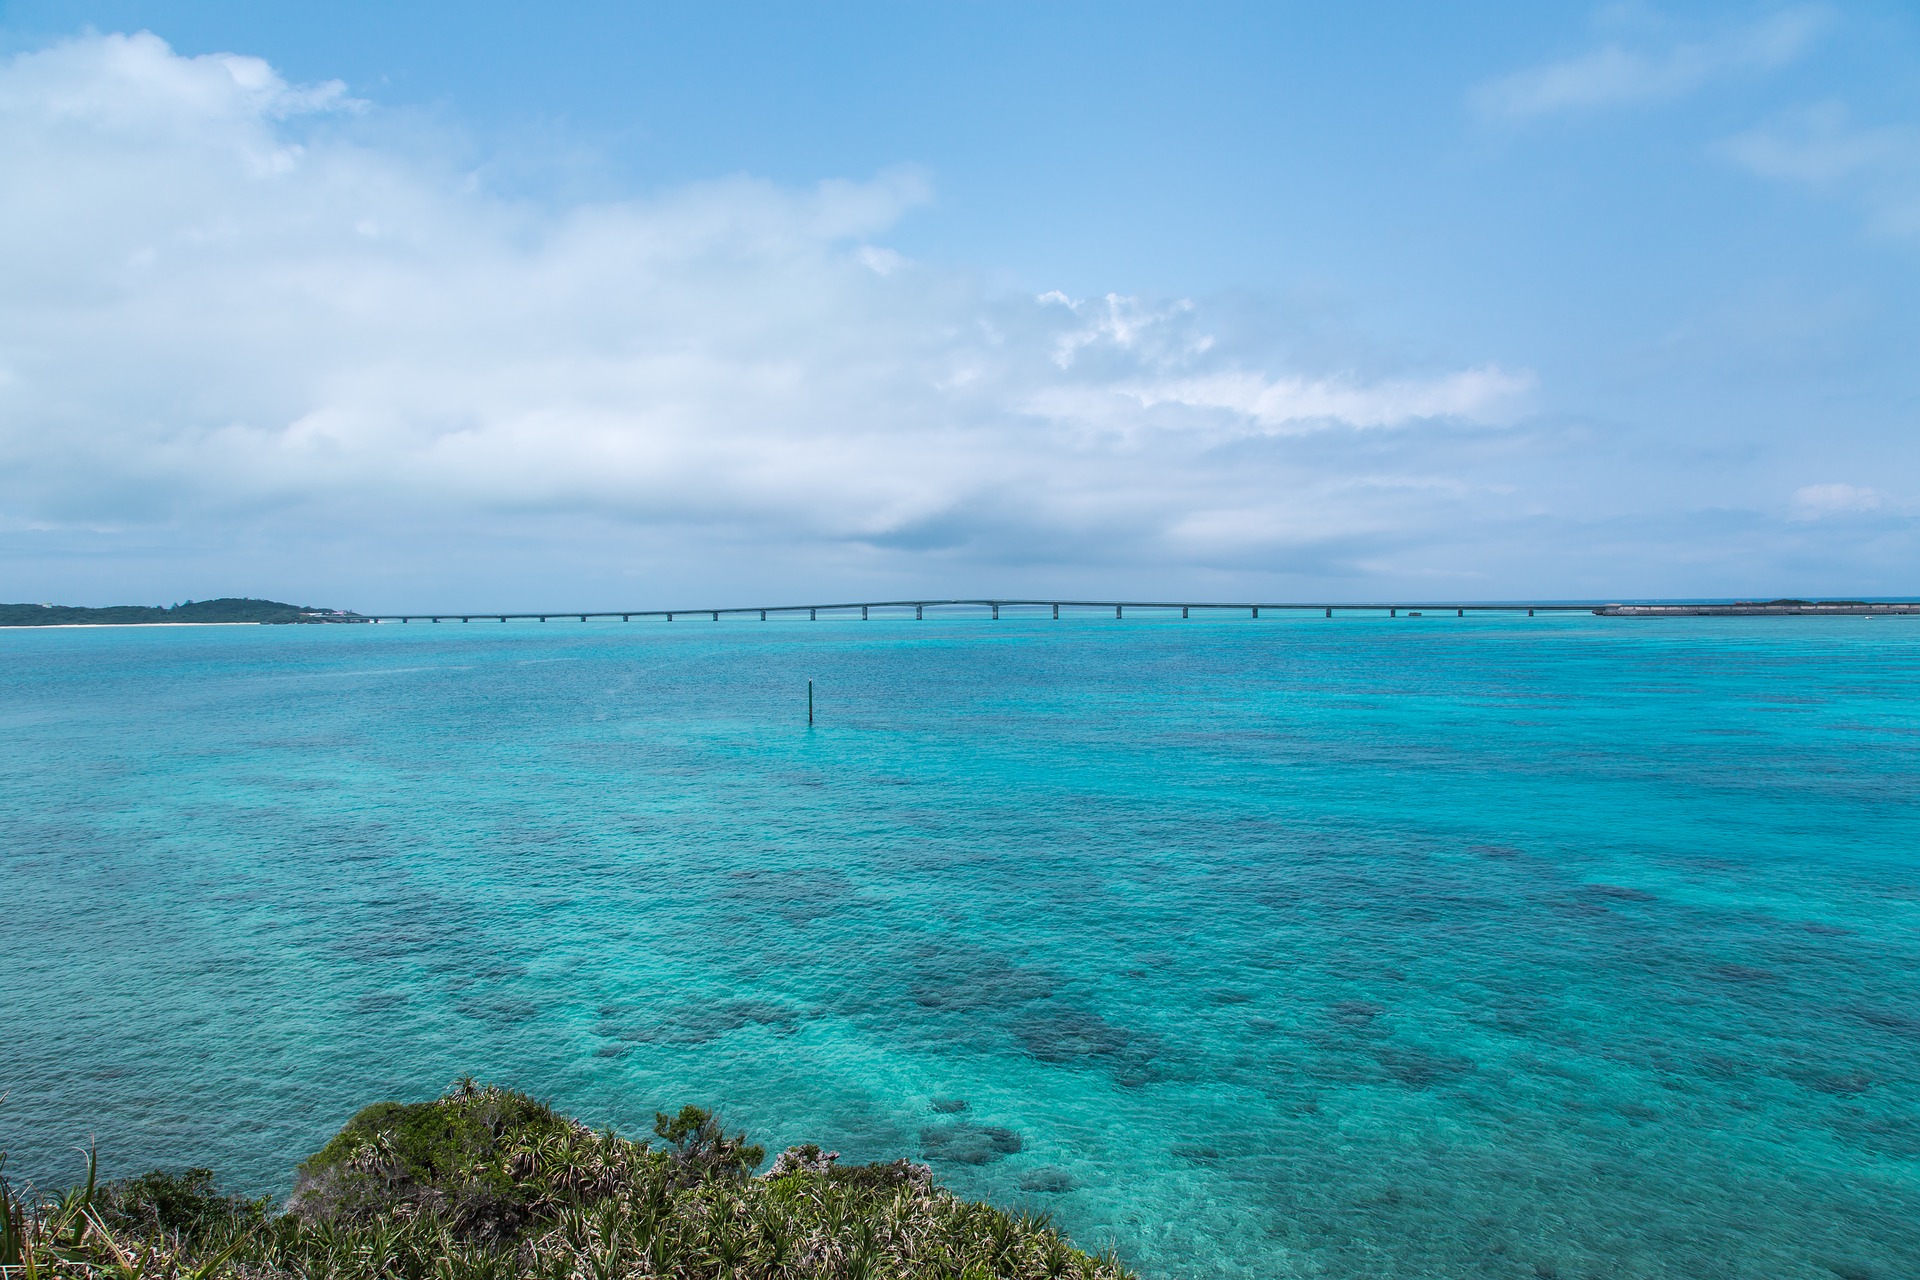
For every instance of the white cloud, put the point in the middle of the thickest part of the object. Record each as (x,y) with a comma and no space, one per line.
(1615,75)
(1233,403)
(1484,394)
(1879,167)
(223,307)
(1815,501)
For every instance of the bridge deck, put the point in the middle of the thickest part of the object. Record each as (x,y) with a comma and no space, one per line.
(1253,609)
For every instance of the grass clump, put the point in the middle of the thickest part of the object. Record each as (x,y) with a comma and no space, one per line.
(486,1184)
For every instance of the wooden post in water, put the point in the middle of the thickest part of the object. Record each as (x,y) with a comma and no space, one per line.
(809,702)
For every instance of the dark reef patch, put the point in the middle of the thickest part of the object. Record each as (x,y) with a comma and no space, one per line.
(697,1024)
(1048,1180)
(1899,1024)
(1893,1135)
(1064,1036)
(968,1143)
(499,1012)
(965,979)
(1616,893)
(1354,1013)
(1844,1084)
(799,897)
(1719,1066)
(1194,1152)
(1503,852)
(1418,1068)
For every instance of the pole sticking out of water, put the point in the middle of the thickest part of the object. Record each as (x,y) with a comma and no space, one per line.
(809,702)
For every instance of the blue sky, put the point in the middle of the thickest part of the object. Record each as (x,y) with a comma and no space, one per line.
(460,306)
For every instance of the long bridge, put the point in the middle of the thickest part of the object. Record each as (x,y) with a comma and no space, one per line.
(868,609)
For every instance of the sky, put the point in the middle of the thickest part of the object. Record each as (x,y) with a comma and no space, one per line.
(432,306)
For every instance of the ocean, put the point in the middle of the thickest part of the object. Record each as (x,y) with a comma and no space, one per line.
(1364,947)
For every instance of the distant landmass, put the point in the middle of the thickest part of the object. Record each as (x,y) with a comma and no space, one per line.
(227,610)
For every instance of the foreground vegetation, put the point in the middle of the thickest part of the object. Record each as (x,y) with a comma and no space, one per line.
(486,1183)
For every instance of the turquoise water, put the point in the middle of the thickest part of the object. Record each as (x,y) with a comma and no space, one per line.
(1428,947)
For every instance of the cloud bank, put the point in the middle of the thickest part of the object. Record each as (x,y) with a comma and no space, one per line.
(226,304)
(262,337)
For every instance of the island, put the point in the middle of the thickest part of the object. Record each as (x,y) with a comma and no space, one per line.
(226,610)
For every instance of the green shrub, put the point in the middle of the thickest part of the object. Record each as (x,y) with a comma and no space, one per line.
(701,1148)
(184,1204)
(486,1184)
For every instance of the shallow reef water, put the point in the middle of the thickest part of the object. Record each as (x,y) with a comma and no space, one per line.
(1437,947)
